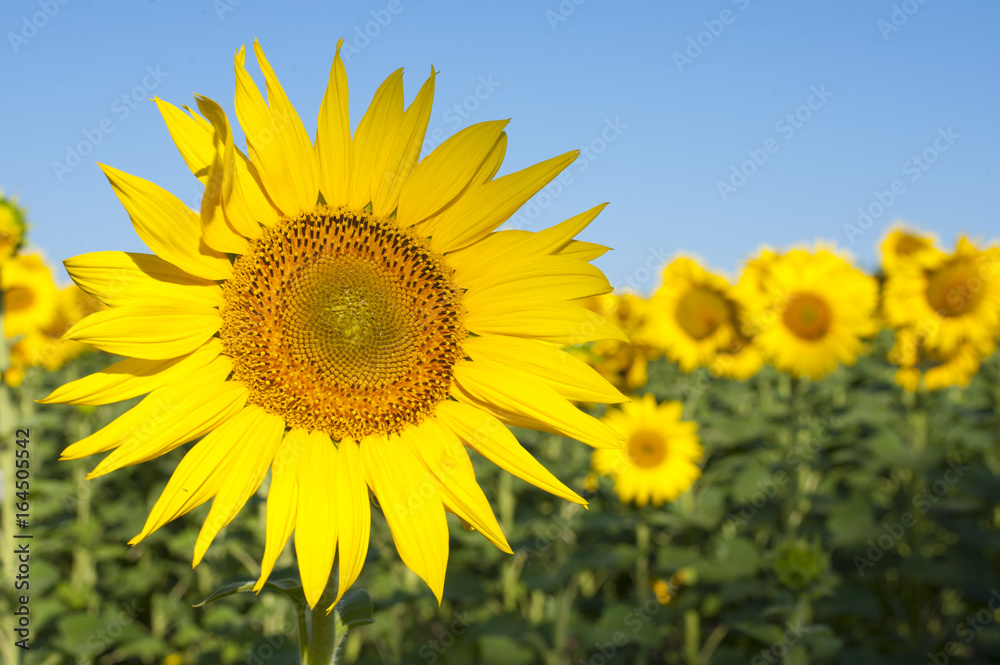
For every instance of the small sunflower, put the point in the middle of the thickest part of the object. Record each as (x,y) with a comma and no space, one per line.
(12,228)
(902,245)
(30,296)
(691,314)
(659,460)
(813,308)
(345,315)
(933,369)
(950,299)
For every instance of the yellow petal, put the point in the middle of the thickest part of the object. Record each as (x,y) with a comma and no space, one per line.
(148,331)
(123,278)
(444,456)
(491,439)
(184,412)
(333,136)
(482,209)
(216,232)
(316,527)
(480,260)
(569,376)
(399,156)
(277,141)
(515,390)
(536,280)
(132,377)
(240,194)
(376,130)
(412,507)
(192,135)
(167,226)
(426,193)
(282,502)
(199,475)
(353,515)
(585,251)
(243,476)
(563,323)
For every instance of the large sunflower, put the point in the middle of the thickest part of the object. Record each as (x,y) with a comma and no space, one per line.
(813,308)
(346,316)
(659,460)
(691,314)
(949,299)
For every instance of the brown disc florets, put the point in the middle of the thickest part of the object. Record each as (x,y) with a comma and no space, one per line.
(343,322)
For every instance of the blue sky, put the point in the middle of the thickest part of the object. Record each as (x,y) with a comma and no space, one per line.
(712,128)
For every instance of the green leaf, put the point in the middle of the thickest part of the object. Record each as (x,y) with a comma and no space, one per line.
(289,587)
(355,609)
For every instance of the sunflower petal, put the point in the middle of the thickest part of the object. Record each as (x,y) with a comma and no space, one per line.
(444,456)
(399,156)
(316,527)
(486,207)
(124,278)
(200,474)
(536,280)
(519,392)
(243,477)
(192,135)
(282,502)
(376,130)
(333,136)
(426,193)
(167,226)
(569,376)
(563,323)
(412,507)
(148,331)
(132,377)
(185,412)
(276,139)
(353,515)
(491,439)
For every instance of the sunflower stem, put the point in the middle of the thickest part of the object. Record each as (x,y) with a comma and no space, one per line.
(641,561)
(327,629)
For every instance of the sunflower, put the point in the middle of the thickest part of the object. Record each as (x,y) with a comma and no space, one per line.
(30,296)
(658,461)
(622,363)
(933,369)
(346,316)
(691,314)
(12,227)
(902,245)
(949,299)
(813,308)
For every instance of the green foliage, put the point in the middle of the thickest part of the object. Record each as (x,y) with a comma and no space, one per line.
(839,521)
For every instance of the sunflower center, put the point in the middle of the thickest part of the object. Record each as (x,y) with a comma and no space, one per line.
(955,289)
(808,316)
(701,311)
(342,322)
(909,244)
(18,298)
(646,449)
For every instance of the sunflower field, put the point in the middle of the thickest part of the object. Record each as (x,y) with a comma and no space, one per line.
(808,474)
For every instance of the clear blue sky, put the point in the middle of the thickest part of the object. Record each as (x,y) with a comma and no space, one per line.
(687,91)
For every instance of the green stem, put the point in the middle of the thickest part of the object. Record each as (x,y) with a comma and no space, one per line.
(327,630)
(641,561)
(692,636)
